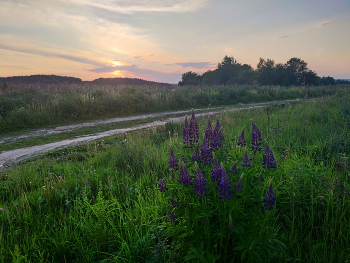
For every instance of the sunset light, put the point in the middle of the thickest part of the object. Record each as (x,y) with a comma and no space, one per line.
(117,63)
(161,40)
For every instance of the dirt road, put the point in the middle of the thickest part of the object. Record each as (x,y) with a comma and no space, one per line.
(8,158)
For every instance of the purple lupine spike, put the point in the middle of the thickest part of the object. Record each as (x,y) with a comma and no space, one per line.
(209,131)
(162,185)
(269,160)
(224,185)
(216,170)
(171,217)
(239,186)
(200,183)
(196,156)
(205,152)
(245,161)
(241,140)
(269,200)
(256,138)
(234,168)
(173,202)
(193,130)
(173,161)
(217,137)
(185,133)
(184,176)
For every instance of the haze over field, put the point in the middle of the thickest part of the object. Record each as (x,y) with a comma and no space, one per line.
(161,40)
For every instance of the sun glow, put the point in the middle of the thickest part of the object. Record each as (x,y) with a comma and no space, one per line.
(117,72)
(117,63)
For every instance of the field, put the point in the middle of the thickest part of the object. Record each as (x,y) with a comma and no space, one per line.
(270,185)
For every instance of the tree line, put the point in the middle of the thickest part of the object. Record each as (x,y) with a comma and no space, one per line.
(293,73)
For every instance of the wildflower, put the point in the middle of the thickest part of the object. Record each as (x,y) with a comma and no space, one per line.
(269,200)
(269,160)
(171,217)
(208,131)
(241,140)
(245,161)
(239,186)
(256,138)
(224,185)
(173,202)
(173,161)
(162,185)
(200,183)
(185,133)
(205,152)
(193,130)
(184,176)
(216,170)
(234,168)
(217,136)
(195,156)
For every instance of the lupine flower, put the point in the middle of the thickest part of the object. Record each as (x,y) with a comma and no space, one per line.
(269,160)
(171,217)
(239,186)
(185,133)
(205,152)
(217,137)
(209,131)
(173,161)
(216,170)
(224,185)
(195,156)
(200,183)
(173,202)
(193,130)
(269,200)
(162,185)
(234,168)
(245,161)
(241,140)
(256,138)
(184,176)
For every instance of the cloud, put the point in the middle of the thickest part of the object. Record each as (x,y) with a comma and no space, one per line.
(133,6)
(326,23)
(198,65)
(199,47)
(52,54)
(283,36)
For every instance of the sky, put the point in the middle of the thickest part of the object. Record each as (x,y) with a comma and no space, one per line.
(159,40)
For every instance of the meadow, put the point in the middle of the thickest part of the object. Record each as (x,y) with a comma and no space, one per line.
(262,185)
(29,106)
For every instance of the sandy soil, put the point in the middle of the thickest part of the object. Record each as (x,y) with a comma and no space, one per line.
(8,158)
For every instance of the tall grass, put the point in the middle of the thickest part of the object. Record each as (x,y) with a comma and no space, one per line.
(30,106)
(101,202)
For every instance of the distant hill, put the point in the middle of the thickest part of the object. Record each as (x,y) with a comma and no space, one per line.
(54,79)
(126,81)
(42,79)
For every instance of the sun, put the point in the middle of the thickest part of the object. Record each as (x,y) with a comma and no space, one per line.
(117,63)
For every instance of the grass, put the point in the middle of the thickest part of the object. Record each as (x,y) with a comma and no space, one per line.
(99,202)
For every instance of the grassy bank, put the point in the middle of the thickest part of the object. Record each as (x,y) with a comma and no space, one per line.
(102,202)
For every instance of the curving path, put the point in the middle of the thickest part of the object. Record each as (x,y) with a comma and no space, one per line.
(8,158)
